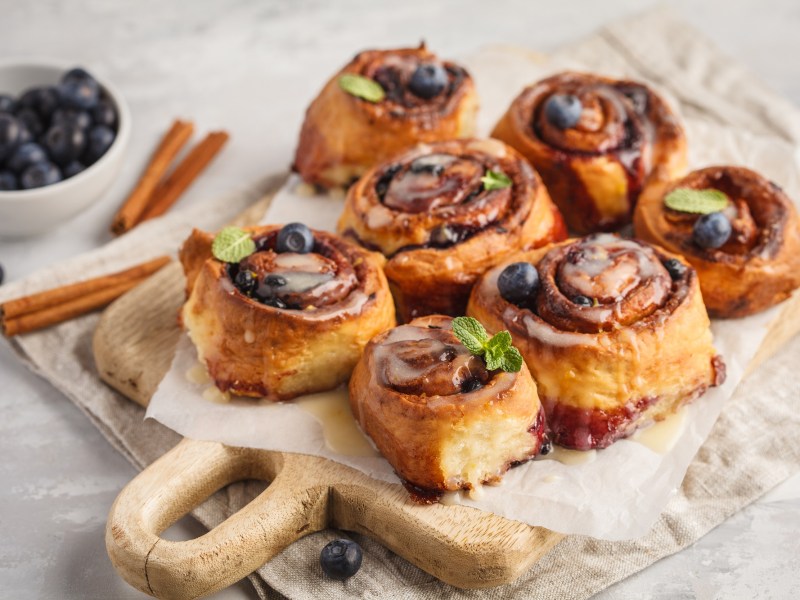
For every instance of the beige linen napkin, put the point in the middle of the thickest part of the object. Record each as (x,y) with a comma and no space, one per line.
(752,448)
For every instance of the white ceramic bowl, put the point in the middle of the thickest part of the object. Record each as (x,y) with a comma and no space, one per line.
(28,212)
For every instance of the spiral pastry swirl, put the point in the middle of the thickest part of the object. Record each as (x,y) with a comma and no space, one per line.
(759,264)
(430,212)
(622,136)
(281,324)
(441,419)
(426,99)
(615,334)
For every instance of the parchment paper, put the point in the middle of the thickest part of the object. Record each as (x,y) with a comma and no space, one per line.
(621,493)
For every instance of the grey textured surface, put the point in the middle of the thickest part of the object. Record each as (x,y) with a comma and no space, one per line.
(251,67)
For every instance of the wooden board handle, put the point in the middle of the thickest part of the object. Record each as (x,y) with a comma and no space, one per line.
(182,479)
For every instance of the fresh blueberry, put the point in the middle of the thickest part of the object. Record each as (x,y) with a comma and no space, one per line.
(65,143)
(42,100)
(40,175)
(78,89)
(104,114)
(563,110)
(340,559)
(71,116)
(8,181)
(582,301)
(7,103)
(295,237)
(711,230)
(25,156)
(100,140)
(518,282)
(25,135)
(675,268)
(9,134)
(246,281)
(428,81)
(30,119)
(72,169)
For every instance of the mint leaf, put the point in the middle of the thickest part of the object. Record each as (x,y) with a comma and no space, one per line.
(511,361)
(495,180)
(500,342)
(493,361)
(362,87)
(232,245)
(470,333)
(701,202)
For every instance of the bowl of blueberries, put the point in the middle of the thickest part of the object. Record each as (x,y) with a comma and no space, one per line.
(63,134)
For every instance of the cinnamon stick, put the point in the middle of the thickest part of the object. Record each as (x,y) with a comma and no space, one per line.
(168,192)
(136,203)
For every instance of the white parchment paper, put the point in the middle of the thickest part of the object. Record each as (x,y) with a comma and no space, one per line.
(620,493)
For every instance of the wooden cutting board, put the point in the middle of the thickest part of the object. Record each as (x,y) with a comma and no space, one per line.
(465,547)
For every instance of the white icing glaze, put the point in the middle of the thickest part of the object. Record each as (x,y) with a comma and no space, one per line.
(489,146)
(661,436)
(332,410)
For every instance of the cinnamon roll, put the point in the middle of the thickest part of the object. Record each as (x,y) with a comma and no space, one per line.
(414,97)
(613,330)
(441,419)
(444,213)
(747,254)
(596,143)
(284,321)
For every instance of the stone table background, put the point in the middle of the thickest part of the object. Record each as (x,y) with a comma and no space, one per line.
(251,67)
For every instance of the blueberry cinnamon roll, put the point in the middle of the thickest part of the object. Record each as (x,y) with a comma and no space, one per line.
(438,415)
(596,143)
(290,318)
(614,331)
(443,214)
(381,103)
(740,231)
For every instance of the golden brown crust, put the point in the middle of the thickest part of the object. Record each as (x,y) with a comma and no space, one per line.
(627,137)
(441,231)
(635,355)
(760,264)
(253,349)
(343,136)
(405,393)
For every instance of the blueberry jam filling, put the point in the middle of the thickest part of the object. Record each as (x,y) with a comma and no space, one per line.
(675,268)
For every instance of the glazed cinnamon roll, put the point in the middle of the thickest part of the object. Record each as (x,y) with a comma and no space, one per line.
(383,102)
(444,213)
(441,419)
(285,320)
(613,330)
(596,143)
(747,253)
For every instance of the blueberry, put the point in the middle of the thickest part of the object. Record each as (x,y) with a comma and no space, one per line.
(675,268)
(30,119)
(100,140)
(582,301)
(428,81)
(711,230)
(275,281)
(563,110)
(273,301)
(39,175)
(42,100)
(71,116)
(78,89)
(518,282)
(295,237)
(104,114)
(72,169)
(65,143)
(246,281)
(7,103)
(8,181)
(470,385)
(25,135)
(546,447)
(25,156)
(341,559)
(9,134)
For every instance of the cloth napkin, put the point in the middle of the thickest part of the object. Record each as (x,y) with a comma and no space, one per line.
(752,448)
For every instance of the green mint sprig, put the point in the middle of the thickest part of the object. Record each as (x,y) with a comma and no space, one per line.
(362,87)
(495,180)
(700,202)
(497,350)
(232,245)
